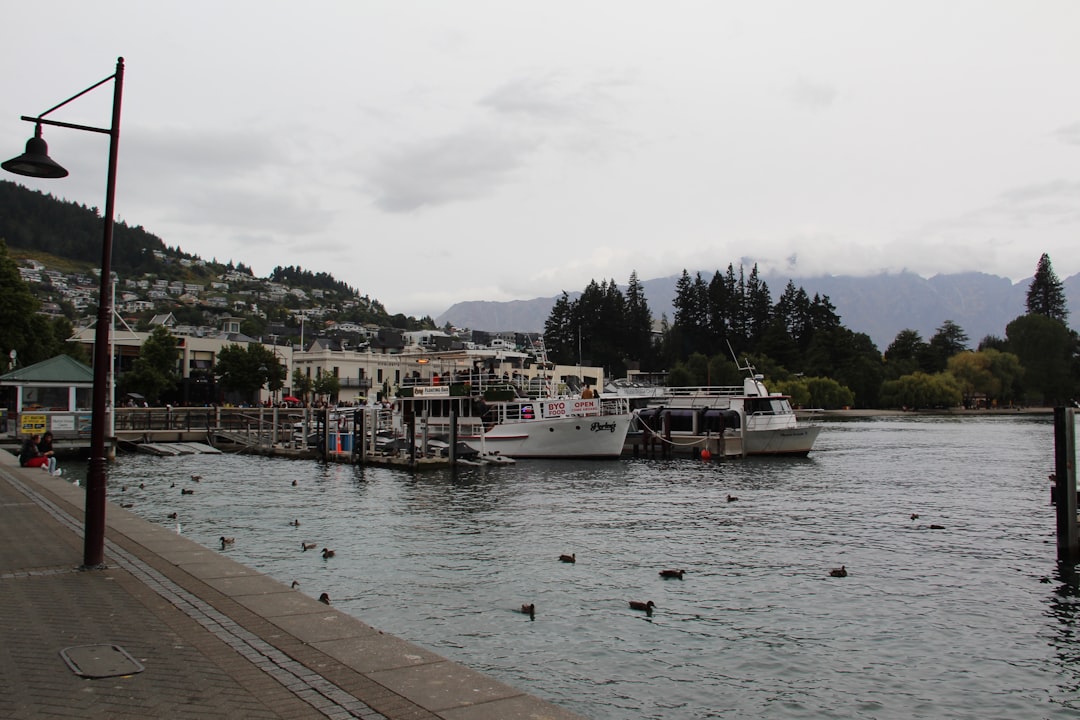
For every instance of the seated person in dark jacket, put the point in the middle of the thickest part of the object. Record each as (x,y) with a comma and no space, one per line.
(31,456)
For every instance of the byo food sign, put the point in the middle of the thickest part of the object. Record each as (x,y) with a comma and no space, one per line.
(571,406)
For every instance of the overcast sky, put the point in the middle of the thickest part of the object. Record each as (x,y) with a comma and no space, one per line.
(432,152)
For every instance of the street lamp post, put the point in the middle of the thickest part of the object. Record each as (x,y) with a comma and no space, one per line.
(35,162)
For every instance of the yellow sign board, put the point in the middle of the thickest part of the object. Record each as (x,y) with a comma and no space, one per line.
(32,424)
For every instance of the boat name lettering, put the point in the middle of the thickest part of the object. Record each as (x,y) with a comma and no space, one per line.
(431,391)
(600,427)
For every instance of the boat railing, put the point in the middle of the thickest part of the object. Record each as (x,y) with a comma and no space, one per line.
(478,382)
(441,426)
(704,391)
(614,406)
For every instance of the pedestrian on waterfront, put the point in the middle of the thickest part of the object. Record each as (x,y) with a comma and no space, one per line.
(587,393)
(31,456)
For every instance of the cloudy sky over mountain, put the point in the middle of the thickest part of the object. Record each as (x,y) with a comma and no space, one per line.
(431,152)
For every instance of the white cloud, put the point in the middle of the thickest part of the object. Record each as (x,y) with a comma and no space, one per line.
(467,165)
(1069,134)
(811,94)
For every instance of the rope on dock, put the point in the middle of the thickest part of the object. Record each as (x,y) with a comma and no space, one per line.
(663,439)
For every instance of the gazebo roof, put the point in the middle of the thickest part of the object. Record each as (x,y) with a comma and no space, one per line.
(59,369)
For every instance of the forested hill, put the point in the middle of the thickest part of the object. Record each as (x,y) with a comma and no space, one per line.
(40,223)
(46,228)
(299,277)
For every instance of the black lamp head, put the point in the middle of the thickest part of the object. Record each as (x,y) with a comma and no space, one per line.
(35,162)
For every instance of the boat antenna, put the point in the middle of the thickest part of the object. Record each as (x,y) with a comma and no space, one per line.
(748,367)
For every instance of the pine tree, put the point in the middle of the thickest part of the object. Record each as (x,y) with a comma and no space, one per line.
(1046,294)
(758,304)
(560,331)
(638,339)
(691,314)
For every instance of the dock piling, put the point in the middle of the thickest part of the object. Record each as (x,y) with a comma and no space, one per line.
(1064,493)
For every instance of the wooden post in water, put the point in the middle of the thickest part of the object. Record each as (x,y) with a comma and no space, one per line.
(357,434)
(410,438)
(665,450)
(453,435)
(1068,544)
(324,435)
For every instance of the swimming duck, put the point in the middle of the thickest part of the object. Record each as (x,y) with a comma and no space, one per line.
(327,553)
(646,606)
(171,516)
(307,546)
(196,478)
(571,558)
(225,541)
(838,572)
(295,584)
(324,599)
(294,483)
(185,491)
(671,574)
(127,505)
(731,498)
(295,523)
(529,609)
(914,516)
(937,527)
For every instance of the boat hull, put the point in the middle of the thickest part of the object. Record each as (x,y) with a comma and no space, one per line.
(791,441)
(597,436)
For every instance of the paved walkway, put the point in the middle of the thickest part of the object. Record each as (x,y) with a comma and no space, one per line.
(214,638)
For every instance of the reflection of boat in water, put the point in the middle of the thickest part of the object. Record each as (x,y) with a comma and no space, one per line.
(495,419)
(724,420)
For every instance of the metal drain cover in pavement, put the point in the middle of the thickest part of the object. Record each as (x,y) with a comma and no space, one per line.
(100,661)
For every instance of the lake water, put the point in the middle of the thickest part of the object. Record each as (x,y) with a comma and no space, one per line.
(974,620)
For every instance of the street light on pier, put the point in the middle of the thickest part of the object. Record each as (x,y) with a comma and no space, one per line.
(35,162)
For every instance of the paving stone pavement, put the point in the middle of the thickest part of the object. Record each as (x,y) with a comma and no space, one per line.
(205,653)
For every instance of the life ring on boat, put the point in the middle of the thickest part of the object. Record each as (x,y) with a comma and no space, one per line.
(527,412)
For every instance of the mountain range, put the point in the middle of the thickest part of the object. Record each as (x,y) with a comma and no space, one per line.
(878,305)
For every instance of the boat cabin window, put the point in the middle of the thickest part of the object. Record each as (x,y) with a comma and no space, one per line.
(768,406)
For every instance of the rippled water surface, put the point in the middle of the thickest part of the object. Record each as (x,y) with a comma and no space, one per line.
(974,620)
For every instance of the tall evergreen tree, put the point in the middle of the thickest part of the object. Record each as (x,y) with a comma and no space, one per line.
(588,312)
(758,306)
(720,312)
(560,331)
(683,301)
(691,312)
(738,322)
(902,355)
(1047,350)
(950,339)
(1046,294)
(639,337)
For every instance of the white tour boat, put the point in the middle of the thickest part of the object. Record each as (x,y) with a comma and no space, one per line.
(496,420)
(722,420)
